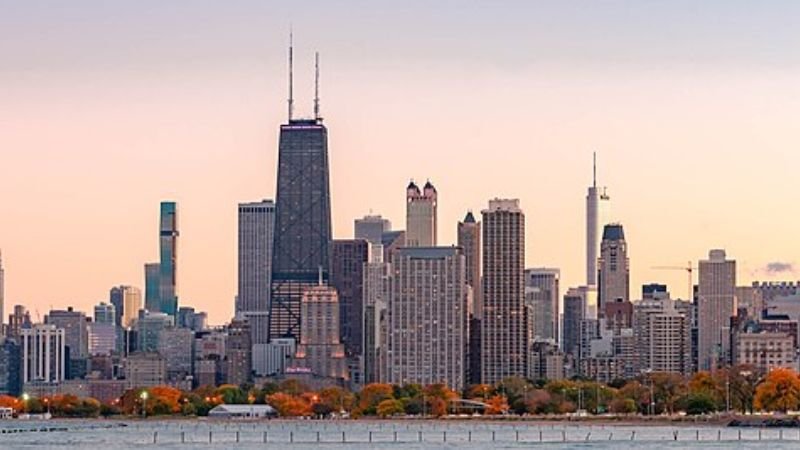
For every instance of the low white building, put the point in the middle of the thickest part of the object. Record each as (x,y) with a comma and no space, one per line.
(242,412)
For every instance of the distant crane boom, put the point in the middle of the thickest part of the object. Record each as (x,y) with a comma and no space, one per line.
(689,270)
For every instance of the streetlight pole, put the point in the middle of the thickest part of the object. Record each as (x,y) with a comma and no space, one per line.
(143,396)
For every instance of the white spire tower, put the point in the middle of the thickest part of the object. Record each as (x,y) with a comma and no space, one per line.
(596,209)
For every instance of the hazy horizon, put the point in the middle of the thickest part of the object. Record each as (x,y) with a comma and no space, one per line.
(108,109)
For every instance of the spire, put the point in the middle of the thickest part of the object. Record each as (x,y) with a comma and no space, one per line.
(316,85)
(291,96)
(594,169)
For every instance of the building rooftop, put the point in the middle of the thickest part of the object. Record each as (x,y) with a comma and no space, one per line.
(428,252)
(613,232)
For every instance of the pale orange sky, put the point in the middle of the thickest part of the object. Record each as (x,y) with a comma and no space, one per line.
(698,147)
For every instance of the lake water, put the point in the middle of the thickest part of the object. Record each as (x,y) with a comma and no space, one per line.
(302,435)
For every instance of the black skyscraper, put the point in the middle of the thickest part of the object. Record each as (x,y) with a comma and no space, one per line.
(302,221)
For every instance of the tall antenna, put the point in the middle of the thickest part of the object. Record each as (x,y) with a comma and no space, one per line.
(316,85)
(594,169)
(291,95)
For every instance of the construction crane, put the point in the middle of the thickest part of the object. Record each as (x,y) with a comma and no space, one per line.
(689,270)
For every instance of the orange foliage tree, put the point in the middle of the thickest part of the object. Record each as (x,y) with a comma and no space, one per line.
(780,391)
(7,401)
(371,396)
(290,405)
(498,404)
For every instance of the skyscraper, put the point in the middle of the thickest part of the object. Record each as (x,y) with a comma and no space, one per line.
(168,249)
(469,239)
(541,293)
(371,228)
(505,333)
(376,294)
(152,286)
(421,215)
(716,304)
(256,230)
(302,221)
(426,320)
(127,301)
(320,349)
(574,314)
(614,268)
(596,204)
(2,292)
(348,257)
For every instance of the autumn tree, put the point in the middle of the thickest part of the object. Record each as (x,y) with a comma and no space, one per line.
(7,401)
(290,405)
(479,392)
(336,399)
(780,391)
(498,404)
(703,383)
(230,394)
(389,407)
(371,395)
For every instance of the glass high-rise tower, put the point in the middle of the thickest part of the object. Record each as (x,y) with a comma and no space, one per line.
(302,222)
(168,249)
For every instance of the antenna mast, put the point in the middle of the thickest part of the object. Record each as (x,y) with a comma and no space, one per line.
(594,169)
(316,85)
(291,96)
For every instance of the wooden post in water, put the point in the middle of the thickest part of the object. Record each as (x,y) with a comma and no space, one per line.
(209,436)
(395,436)
(264,437)
(419,435)
(291,436)
(633,435)
(344,437)
(516,435)
(719,435)
(697,435)
(540,435)
(563,436)
(155,437)
(317,436)
(183,437)
(469,436)
(237,437)
(444,436)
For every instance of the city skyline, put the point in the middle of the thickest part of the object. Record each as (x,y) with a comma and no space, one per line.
(674,208)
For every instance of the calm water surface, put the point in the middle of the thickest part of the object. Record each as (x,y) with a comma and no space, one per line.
(302,435)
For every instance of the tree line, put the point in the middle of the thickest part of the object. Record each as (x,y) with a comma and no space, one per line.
(735,389)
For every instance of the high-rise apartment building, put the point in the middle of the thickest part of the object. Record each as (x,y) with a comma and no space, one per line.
(542,296)
(469,239)
(613,268)
(348,257)
(376,294)
(426,318)
(371,228)
(716,304)
(574,314)
(43,354)
(148,330)
(596,211)
(256,232)
(320,349)
(421,208)
(302,222)
(168,267)
(504,328)
(662,331)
